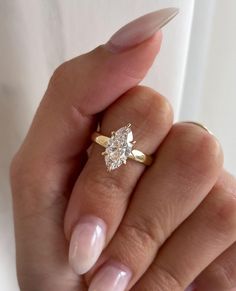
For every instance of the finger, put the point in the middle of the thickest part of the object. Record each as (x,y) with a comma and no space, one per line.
(79,89)
(105,195)
(206,234)
(221,274)
(186,167)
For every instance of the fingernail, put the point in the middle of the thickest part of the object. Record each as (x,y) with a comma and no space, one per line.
(86,244)
(191,287)
(140,29)
(113,276)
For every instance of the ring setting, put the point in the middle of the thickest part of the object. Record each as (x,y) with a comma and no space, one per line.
(119,148)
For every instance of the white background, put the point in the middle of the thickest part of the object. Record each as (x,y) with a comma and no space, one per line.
(196,70)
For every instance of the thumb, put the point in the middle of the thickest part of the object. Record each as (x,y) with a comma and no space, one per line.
(99,77)
(82,87)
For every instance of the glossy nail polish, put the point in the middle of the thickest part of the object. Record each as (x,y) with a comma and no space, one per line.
(113,276)
(140,29)
(86,244)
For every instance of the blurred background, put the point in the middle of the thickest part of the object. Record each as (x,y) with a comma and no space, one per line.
(196,70)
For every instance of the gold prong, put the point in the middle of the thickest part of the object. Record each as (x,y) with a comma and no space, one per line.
(104,153)
(134,142)
(129,125)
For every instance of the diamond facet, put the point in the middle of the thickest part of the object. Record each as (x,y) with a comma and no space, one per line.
(119,148)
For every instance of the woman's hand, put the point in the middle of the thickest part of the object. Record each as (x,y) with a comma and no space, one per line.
(44,170)
(162,225)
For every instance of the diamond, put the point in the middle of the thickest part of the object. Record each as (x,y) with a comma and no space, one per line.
(119,148)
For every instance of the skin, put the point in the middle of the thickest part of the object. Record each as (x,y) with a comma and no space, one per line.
(184,231)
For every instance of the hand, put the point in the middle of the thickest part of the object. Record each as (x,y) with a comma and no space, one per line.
(52,155)
(49,171)
(162,229)
(180,214)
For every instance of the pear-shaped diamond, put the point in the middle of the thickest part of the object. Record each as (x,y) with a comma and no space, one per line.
(119,147)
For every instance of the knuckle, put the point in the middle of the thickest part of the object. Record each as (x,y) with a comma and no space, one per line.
(60,74)
(165,279)
(222,277)
(161,110)
(145,234)
(108,188)
(223,207)
(13,170)
(151,103)
(32,188)
(196,149)
(71,72)
(154,110)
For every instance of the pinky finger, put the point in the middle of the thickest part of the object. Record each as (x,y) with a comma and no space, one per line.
(220,275)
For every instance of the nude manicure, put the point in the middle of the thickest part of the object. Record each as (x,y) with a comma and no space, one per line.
(140,29)
(87,243)
(113,276)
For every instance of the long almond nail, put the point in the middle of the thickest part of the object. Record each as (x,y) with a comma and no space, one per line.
(113,276)
(87,242)
(140,29)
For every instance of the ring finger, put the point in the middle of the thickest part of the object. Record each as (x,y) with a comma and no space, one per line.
(100,198)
